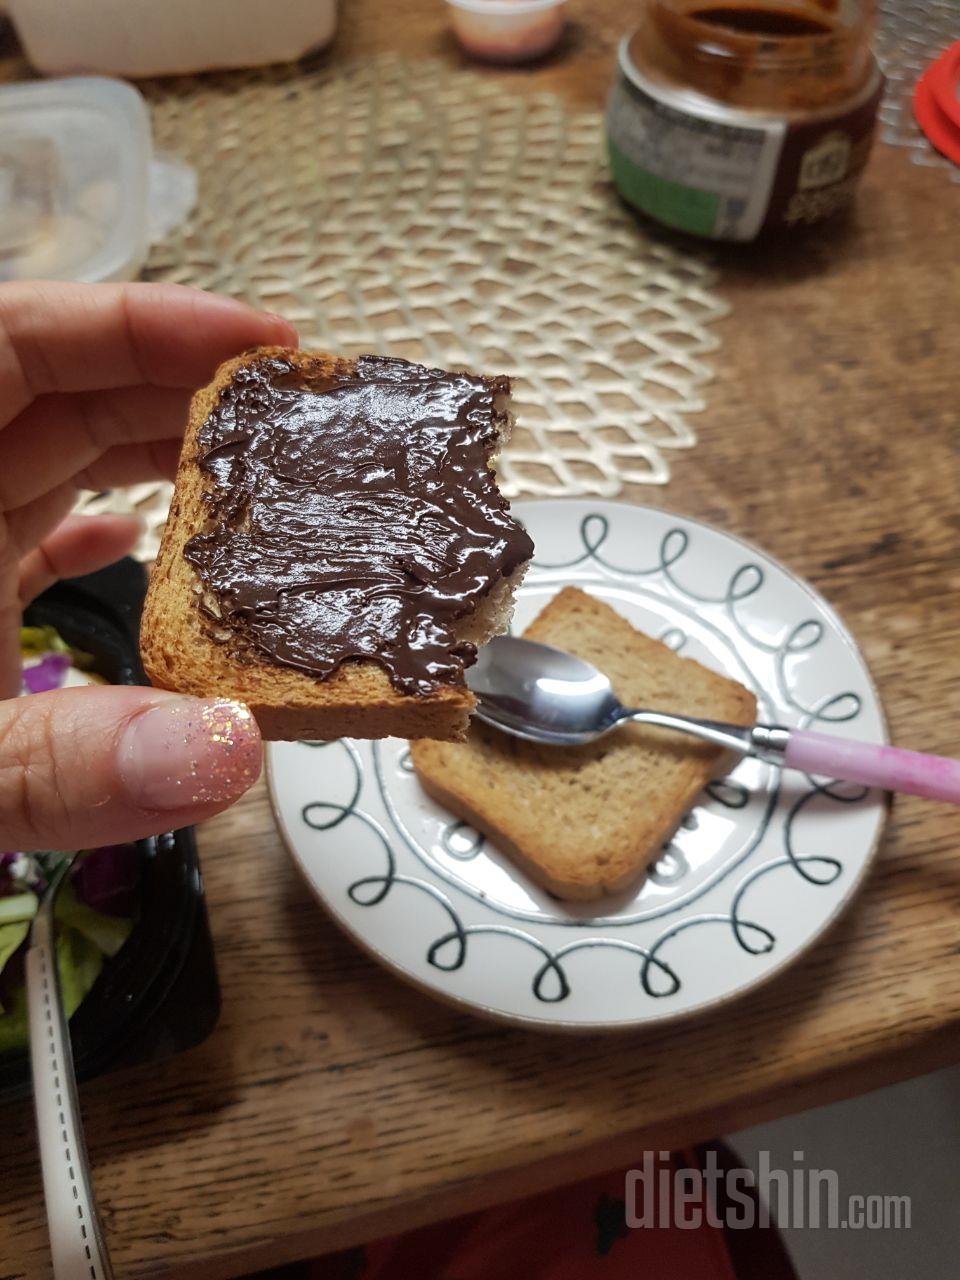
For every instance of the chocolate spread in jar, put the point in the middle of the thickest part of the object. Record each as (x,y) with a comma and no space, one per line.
(354,516)
(762,21)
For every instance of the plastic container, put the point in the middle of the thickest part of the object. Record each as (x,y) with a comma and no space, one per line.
(165,37)
(936,103)
(159,994)
(734,120)
(507,30)
(81,193)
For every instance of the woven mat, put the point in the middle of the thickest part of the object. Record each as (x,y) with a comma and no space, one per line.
(911,34)
(422,211)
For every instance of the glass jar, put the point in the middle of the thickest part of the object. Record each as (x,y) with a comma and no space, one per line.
(734,120)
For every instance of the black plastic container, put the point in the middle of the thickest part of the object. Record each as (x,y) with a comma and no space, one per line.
(159,994)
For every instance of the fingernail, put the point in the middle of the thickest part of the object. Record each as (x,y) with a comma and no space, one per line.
(290,328)
(186,752)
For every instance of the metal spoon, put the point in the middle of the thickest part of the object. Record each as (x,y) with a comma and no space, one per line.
(541,694)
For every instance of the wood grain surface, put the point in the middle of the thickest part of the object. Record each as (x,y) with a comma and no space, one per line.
(334,1104)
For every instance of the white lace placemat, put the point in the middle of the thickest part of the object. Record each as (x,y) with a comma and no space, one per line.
(424,211)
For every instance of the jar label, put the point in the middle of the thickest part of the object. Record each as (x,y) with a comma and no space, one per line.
(820,164)
(728,174)
(689,171)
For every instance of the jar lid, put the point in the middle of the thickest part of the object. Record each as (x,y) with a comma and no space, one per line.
(81,193)
(936,103)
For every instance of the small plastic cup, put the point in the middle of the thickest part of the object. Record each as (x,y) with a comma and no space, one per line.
(507,30)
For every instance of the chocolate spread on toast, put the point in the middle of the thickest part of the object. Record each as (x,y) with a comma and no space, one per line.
(353,516)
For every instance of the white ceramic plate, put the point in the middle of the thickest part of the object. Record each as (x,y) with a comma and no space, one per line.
(755,874)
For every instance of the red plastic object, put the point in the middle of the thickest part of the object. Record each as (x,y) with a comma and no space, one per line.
(936,103)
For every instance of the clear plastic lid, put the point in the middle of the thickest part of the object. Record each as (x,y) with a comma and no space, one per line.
(77,176)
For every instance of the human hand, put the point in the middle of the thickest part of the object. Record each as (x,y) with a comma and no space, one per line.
(95,384)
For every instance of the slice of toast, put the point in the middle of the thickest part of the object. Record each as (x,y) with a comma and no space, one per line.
(586,821)
(183,650)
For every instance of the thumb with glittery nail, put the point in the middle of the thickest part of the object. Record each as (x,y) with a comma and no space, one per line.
(95,766)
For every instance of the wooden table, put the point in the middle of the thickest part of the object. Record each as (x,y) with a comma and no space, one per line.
(334,1104)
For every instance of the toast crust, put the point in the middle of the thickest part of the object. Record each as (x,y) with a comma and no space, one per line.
(179,653)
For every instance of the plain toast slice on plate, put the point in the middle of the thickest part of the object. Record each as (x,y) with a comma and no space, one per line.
(586,821)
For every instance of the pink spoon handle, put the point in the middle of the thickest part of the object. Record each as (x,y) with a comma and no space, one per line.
(935,777)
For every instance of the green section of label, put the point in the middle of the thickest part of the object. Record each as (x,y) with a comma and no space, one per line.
(671,203)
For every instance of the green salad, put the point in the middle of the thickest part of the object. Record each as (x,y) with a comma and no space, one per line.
(95,908)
